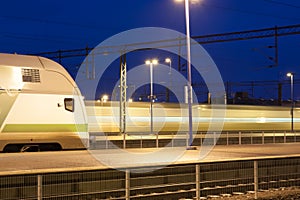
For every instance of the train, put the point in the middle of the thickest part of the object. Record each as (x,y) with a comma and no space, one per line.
(104,117)
(41,107)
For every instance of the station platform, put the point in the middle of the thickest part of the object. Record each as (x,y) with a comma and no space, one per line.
(68,161)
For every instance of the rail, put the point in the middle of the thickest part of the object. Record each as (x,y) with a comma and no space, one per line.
(102,141)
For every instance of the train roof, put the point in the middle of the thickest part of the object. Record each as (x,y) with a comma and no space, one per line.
(34,62)
(58,82)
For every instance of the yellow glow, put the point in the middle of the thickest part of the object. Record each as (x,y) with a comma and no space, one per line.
(191,1)
(104,98)
(168,60)
(289,74)
(154,61)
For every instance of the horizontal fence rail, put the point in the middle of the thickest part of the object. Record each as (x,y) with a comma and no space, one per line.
(173,182)
(116,140)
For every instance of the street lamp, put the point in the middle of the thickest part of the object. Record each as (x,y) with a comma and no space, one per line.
(291,75)
(104,98)
(168,60)
(151,63)
(188,49)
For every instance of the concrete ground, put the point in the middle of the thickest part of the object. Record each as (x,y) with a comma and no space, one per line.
(42,162)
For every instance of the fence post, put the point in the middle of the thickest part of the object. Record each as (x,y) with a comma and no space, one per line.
(39,187)
(156,140)
(215,139)
(284,137)
(263,137)
(255,179)
(227,139)
(198,194)
(124,140)
(187,139)
(106,142)
(127,184)
(201,139)
(172,141)
(240,137)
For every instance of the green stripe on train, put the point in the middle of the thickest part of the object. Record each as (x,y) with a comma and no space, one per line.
(45,128)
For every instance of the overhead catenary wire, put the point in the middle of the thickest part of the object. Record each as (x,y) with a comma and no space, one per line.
(282,3)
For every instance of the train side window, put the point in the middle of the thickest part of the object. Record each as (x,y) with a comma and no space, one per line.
(69,104)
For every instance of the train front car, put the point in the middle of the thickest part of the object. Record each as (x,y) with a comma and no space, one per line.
(41,107)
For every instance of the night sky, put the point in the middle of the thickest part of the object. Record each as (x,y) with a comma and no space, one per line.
(30,26)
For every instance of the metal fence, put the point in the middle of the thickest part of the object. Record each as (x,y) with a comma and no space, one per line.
(172,182)
(181,139)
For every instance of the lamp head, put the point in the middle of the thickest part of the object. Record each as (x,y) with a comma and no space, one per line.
(191,1)
(289,74)
(154,61)
(168,60)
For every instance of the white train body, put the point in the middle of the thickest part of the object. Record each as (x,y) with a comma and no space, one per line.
(40,105)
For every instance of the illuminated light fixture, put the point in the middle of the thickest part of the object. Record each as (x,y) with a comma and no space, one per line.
(168,60)
(291,75)
(104,98)
(151,63)
(191,1)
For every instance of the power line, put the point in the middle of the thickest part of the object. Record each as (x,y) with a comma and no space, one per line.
(250,12)
(64,23)
(203,39)
(282,3)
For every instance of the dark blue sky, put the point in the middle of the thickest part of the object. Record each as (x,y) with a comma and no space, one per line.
(51,25)
(39,26)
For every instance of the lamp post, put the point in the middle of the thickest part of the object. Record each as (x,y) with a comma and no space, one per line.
(104,99)
(168,60)
(188,49)
(151,63)
(291,75)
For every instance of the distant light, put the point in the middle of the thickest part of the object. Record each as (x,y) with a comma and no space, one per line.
(153,61)
(289,74)
(104,98)
(130,100)
(191,1)
(168,60)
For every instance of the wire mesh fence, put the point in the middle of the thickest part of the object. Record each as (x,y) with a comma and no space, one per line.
(172,182)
